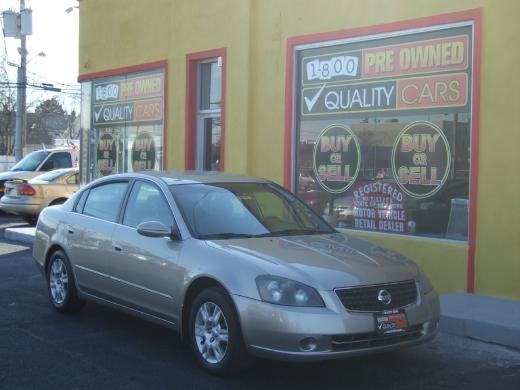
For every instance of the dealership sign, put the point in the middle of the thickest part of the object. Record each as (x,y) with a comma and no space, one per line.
(379,206)
(106,153)
(421,159)
(143,152)
(336,158)
(414,74)
(127,100)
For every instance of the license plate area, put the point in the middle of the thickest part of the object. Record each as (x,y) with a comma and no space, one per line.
(391,321)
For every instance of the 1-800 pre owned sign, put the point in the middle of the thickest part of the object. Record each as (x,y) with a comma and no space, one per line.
(128,100)
(413,73)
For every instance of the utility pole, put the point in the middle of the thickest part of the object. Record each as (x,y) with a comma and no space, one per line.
(21,93)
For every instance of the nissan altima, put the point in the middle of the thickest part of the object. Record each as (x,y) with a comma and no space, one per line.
(238,265)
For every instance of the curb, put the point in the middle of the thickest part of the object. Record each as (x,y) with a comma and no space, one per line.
(508,336)
(483,318)
(24,235)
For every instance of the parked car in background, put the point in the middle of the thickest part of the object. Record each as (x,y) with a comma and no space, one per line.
(39,161)
(430,216)
(29,198)
(341,215)
(306,182)
(238,265)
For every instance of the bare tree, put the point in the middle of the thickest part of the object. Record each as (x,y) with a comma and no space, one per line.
(7,111)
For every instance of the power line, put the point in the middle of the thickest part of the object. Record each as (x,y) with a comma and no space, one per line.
(49,88)
(54,82)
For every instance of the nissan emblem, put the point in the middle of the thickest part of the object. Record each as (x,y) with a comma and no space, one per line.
(384,297)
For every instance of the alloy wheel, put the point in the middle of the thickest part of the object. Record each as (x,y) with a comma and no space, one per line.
(58,281)
(211,332)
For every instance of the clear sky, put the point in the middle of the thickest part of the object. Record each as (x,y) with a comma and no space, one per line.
(55,32)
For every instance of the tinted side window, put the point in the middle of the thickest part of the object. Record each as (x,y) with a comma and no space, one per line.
(73,179)
(104,201)
(81,202)
(146,203)
(56,161)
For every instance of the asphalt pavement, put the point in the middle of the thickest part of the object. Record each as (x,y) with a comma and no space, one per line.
(99,348)
(479,317)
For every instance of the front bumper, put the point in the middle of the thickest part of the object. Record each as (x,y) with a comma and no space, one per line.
(282,332)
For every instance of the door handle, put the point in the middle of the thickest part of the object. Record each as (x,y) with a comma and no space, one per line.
(118,248)
(70,231)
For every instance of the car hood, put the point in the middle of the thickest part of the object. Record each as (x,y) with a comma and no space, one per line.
(325,261)
(24,175)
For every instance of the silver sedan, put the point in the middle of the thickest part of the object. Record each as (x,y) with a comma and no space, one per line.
(239,266)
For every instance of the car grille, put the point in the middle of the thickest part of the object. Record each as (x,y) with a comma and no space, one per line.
(373,339)
(364,298)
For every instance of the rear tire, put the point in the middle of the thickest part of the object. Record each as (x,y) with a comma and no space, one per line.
(60,284)
(57,201)
(215,335)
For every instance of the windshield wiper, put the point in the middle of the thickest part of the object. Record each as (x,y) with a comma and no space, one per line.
(225,236)
(294,232)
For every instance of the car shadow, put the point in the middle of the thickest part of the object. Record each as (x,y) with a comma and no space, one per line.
(133,340)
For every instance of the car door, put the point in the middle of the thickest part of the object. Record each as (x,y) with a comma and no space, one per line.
(60,189)
(89,236)
(145,269)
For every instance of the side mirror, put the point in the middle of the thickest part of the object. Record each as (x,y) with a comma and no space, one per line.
(156,229)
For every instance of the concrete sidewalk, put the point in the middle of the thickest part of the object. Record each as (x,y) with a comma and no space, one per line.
(474,316)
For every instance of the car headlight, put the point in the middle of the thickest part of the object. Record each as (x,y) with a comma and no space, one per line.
(424,283)
(282,291)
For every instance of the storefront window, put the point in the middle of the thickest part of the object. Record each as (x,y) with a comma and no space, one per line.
(209,115)
(383,130)
(127,114)
(205,110)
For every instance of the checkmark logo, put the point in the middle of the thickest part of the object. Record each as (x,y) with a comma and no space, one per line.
(97,114)
(312,101)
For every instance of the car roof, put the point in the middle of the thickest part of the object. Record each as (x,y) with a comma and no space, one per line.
(61,149)
(58,172)
(193,177)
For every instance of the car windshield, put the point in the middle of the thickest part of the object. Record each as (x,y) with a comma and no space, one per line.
(31,161)
(234,210)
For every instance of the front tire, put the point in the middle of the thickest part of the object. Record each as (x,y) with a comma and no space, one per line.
(215,335)
(60,284)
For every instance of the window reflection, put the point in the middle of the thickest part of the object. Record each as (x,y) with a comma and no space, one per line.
(443,214)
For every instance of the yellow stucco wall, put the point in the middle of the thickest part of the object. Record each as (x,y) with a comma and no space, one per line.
(120,33)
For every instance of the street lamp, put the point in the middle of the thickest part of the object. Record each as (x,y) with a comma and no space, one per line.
(40,54)
(70,9)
